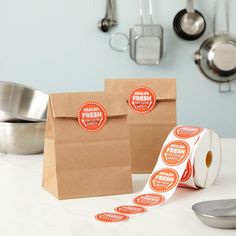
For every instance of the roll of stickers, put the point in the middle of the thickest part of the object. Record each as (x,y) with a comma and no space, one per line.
(190,157)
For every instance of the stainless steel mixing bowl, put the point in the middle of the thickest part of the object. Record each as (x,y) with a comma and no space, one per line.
(18,102)
(22,138)
(217,213)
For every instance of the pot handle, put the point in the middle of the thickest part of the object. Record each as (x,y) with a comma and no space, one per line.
(225,87)
(148,11)
(226,9)
(190,6)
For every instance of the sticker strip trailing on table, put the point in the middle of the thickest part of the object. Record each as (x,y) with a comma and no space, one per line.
(190,157)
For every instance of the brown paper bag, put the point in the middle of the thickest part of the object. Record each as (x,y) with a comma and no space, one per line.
(80,163)
(148,127)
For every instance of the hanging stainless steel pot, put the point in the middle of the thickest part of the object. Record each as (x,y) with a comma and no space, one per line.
(216,56)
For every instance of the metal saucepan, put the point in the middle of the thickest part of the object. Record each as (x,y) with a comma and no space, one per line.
(217,213)
(18,102)
(216,56)
(23,138)
(189,24)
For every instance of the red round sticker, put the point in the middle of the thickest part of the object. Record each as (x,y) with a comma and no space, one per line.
(151,199)
(164,180)
(175,153)
(92,116)
(187,172)
(130,209)
(142,100)
(187,131)
(108,217)
(182,185)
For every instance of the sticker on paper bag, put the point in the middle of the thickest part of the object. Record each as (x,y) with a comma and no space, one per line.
(142,100)
(92,116)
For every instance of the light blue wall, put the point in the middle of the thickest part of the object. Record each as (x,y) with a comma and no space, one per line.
(54,45)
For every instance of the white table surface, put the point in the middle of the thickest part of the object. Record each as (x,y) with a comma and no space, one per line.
(28,210)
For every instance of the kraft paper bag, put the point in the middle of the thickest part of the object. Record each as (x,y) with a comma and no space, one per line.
(87,149)
(151,108)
